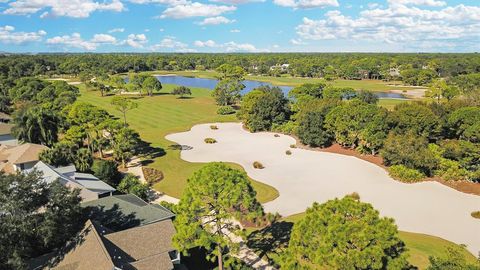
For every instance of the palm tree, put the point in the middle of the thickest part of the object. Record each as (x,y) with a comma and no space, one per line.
(84,160)
(36,125)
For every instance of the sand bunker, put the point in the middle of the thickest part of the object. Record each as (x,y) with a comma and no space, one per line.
(308,176)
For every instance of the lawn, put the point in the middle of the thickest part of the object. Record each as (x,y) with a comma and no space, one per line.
(390,104)
(420,246)
(163,114)
(286,80)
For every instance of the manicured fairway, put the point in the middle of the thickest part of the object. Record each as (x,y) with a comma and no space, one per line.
(163,114)
(390,104)
(420,246)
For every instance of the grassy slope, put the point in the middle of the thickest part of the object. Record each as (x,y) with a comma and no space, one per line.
(420,246)
(164,114)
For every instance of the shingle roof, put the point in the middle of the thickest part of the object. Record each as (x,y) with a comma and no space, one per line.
(5,129)
(10,155)
(144,241)
(87,253)
(133,210)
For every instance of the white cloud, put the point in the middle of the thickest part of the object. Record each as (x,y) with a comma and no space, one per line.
(114,30)
(242,47)
(215,21)
(432,3)
(103,38)
(74,40)
(402,23)
(68,8)
(237,2)
(209,43)
(195,9)
(169,43)
(306,3)
(8,36)
(235,31)
(135,40)
(297,42)
(162,2)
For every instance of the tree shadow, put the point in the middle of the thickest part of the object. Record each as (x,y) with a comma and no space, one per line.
(185,97)
(180,147)
(148,152)
(270,240)
(112,218)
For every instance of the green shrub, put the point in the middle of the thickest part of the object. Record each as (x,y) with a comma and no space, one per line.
(288,152)
(214,127)
(258,165)
(224,110)
(293,146)
(276,135)
(107,171)
(405,174)
(131,184)
(476,214)
(354,196)
(210,140)
(285,128)
(451,170)
(152,175)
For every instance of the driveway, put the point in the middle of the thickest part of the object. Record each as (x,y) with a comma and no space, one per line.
(308,176)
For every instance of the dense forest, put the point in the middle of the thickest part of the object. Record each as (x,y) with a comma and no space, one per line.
(416,68)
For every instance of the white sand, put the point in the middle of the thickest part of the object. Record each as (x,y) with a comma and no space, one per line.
(308,176)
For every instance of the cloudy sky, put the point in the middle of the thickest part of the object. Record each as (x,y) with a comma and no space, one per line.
(239,25)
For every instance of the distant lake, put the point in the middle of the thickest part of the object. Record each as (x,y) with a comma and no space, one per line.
(249,85)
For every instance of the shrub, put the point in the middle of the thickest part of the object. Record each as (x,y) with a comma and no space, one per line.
(476,214)
(285,128)
(354,196)
(210,140)
(214,127)
(405,174)
(293,146)
(131,184)
(107,171)
(451,170)
(152,175)
(276,135)
(224,110)
(288,152)
(258,165)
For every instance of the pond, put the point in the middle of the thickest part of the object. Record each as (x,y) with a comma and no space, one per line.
(249,85)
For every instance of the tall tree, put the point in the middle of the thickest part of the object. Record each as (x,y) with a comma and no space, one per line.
(215,196)
(36,125)
(36,218)
(152,84)
(344,234)
(124,104)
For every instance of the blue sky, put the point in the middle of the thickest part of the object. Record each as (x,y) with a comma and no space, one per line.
(239,25)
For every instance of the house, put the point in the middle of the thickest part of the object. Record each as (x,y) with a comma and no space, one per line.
(96,247)
(125,211)
(19,158)
(123,232)
(91,188)
(6,137)
(394,72)
(282,67)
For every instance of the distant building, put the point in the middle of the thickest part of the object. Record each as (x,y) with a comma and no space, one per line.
(14,159)
(282,67)
(394,72)
(143,245)
(6,137)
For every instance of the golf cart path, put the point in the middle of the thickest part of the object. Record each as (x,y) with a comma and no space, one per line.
(308,176)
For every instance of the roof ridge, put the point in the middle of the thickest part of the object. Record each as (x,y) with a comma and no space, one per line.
(101,242)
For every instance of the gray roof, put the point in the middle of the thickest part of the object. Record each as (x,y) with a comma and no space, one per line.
(87,181)
(129,209)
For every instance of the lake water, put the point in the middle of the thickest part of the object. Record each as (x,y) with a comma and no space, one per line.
(249,85)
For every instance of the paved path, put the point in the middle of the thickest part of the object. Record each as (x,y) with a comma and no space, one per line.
(308,176)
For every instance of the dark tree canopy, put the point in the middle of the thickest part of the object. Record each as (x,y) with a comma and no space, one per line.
(36,217)
(344,234)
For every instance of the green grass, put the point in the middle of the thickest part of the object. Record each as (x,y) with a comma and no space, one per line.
(390,104)
(420,246)
(163,114)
